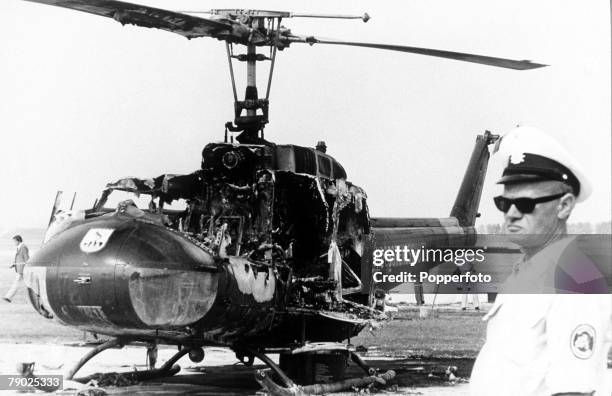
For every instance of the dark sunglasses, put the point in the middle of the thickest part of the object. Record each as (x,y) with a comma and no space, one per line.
(524,205)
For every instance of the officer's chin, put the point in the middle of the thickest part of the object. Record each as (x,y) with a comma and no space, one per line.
(517,235)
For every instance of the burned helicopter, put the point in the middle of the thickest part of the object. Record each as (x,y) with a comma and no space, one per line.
(271,253)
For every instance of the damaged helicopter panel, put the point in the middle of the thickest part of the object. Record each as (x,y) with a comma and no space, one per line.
(283,204)
(270,231)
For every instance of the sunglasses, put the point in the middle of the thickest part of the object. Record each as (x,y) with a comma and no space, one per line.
(524,205)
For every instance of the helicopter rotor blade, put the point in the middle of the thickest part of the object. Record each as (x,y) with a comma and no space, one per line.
(485,60)
(186,25)
(221,28)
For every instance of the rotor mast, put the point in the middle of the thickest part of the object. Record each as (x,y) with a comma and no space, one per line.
(251,90)
(268,23)
(251,124)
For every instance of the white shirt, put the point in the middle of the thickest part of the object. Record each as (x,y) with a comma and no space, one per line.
(542,344)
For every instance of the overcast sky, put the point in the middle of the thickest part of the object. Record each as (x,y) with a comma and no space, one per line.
(85,101)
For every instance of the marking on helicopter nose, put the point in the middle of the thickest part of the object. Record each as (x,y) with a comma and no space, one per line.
(95,239)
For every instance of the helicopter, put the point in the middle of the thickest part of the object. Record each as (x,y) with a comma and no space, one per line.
(272,251)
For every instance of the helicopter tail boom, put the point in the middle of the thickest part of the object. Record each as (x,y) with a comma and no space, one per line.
(427,233)
(465,208)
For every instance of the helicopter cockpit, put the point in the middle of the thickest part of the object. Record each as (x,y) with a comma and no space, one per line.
(282,205)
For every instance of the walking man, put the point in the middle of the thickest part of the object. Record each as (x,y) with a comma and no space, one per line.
(545,335)
(21,258)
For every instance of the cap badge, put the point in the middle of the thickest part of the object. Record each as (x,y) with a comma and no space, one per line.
(517,158)
(582,341)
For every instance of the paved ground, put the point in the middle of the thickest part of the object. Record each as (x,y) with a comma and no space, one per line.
(217,374)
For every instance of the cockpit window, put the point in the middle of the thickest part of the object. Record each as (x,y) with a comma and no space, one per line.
(177,204)
(142,201)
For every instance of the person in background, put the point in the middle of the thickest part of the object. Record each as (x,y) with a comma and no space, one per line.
(22,255)
(468,288)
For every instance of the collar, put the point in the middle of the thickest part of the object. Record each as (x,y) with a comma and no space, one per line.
(532,275)
(549,256)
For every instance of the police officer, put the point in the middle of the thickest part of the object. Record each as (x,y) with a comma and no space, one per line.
(539,341)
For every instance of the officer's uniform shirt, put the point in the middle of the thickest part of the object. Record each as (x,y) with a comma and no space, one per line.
(542,344)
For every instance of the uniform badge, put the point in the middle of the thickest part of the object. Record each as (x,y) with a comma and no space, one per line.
(582,341)
(95,239)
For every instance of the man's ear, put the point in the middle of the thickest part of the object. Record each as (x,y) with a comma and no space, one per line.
(566,205)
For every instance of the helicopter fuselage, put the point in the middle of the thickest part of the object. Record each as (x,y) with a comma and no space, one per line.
(250,252)
(274,248)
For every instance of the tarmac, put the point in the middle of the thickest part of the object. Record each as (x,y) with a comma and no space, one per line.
(217,374)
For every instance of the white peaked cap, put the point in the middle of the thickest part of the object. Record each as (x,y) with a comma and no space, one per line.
(533,155)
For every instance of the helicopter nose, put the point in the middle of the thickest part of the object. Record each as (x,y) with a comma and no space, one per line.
(167,279)
(117,272)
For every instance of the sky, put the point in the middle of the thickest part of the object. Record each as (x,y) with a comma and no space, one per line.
(85,101)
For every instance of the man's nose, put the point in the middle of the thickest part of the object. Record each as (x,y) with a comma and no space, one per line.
(513,213)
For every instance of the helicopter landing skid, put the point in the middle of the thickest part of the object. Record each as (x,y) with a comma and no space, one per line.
(168,369)
(319,389)
(289,388)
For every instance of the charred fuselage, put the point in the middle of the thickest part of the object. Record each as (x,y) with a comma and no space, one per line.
(267,251)
(272,248)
